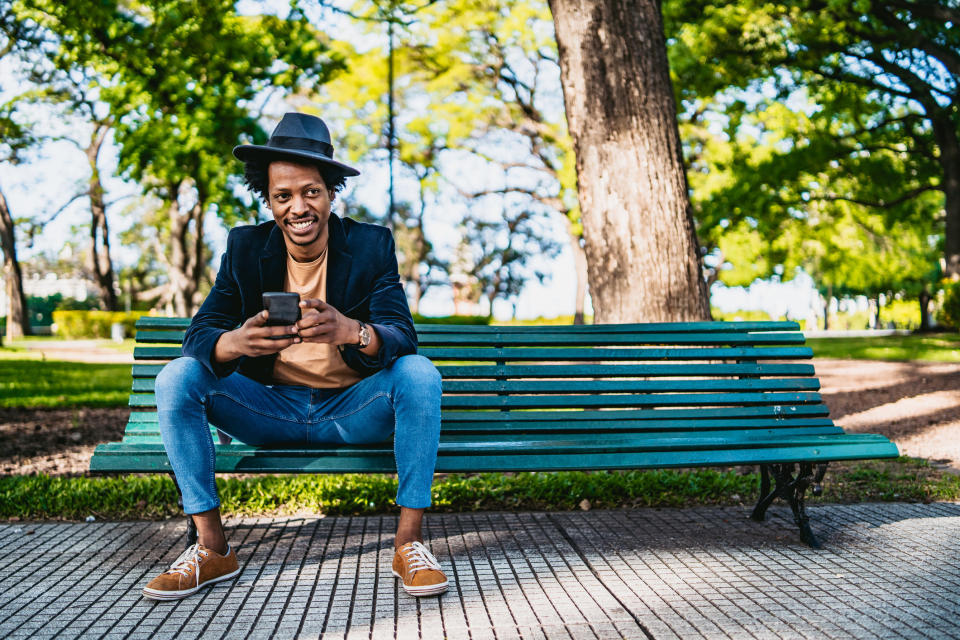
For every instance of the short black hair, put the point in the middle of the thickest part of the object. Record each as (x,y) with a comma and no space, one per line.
(255,172)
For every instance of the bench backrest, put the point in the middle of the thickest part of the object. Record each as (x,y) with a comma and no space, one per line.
(596,377)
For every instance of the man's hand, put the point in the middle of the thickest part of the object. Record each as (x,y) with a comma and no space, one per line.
(319,322)
(253,338)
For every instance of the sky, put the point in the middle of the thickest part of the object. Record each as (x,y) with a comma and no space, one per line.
(57,170)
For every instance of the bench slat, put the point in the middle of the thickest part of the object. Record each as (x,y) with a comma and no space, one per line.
(574,402)
(180,324)
(557,338)
(778,412)
(703,370)
(476,354)
(511,441)
(151,430)
(598,386)
(143,458)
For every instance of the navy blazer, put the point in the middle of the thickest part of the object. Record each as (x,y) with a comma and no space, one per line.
(362,283)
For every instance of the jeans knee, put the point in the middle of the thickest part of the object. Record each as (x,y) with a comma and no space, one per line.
(179,377)
(416,371)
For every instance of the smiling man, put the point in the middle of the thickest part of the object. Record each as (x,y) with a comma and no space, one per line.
(345,373)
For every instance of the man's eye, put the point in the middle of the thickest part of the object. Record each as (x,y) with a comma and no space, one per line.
(313,192)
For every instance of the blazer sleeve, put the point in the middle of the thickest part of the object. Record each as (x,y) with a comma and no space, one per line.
(389,316)
(220,312)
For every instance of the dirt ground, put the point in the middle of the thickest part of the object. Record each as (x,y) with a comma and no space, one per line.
(915,404)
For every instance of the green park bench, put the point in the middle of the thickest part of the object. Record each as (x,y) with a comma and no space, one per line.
(589,397)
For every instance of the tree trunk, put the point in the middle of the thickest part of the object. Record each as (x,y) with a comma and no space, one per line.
(580,267)
(924,300)
(642,251)
(100,263)
(945,133)
(18,324)
(185,260)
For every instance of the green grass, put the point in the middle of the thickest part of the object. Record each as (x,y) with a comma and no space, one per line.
(933,347)
(28,382)
(138,497)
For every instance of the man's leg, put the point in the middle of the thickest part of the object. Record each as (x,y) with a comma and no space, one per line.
(189,399)
(403,399)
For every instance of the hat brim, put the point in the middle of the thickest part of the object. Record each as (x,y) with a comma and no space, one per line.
(246,152)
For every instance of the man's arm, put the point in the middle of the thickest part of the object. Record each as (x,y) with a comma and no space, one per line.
(214,338)
(389,319)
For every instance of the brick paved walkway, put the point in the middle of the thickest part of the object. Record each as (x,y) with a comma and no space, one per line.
(890,570)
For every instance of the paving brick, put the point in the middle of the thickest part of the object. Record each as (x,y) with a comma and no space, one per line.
(890,570)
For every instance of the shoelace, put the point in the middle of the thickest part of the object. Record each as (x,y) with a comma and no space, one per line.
(189,561)
(418,557)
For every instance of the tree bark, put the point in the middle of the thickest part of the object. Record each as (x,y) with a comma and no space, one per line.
(18,324)
(945,133)
(642,251)
(100,262)
(185,261)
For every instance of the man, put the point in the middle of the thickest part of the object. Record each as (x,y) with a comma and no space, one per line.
(346,372)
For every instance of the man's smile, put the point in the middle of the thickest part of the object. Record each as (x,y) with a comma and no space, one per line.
(301,225)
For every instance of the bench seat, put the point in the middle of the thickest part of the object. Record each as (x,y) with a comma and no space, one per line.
(590,397)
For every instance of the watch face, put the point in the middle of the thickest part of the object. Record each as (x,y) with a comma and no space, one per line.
(364,335)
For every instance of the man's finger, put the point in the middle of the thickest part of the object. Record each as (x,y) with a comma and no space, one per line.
(318,330)
(259,320)
(310,319)
(312,303)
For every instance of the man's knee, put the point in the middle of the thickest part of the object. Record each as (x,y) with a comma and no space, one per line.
(416,371)
(180,377)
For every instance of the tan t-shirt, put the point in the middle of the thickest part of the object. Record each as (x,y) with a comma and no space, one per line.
(311,364)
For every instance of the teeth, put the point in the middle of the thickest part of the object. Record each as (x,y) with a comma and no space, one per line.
(301,225)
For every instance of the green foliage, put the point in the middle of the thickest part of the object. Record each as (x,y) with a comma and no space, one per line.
(36,383)
(182,83)
(94,324)
(950,309)
(467,93)
(811,134)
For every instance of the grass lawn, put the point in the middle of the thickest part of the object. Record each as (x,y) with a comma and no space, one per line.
(931,347)
(30,382)
(135,497)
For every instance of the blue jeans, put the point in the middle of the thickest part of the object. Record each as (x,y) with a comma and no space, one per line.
(403,399)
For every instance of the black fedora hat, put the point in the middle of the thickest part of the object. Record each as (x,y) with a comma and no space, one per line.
(298,135)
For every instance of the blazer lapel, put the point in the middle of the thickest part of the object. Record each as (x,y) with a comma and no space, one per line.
(273,262)
(339,262)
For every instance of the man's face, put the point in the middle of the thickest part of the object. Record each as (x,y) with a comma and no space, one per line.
(300,202)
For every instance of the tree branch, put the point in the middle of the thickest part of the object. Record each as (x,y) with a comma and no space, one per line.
(879,204)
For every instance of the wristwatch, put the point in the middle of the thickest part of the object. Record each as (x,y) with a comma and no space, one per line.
(365,336)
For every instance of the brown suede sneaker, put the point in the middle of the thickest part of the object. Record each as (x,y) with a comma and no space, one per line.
(197,567)
(419,570)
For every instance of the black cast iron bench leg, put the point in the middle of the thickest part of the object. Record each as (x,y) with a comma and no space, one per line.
(792,489)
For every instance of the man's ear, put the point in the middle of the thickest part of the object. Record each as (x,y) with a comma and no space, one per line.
(333,194)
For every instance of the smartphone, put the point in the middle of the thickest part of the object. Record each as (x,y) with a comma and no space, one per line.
(284,310)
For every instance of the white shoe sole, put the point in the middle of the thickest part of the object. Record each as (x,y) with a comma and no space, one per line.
(426,590)
(156,594)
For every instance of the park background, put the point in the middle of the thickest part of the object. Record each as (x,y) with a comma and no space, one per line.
(819,146)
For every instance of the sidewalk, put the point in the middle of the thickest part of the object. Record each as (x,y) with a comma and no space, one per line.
(887,571)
